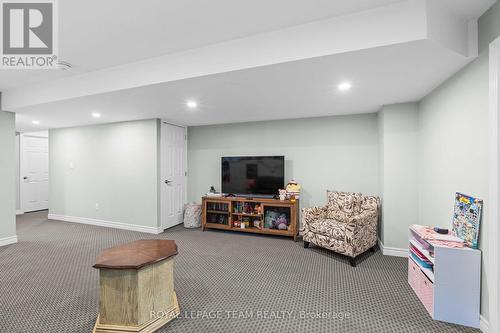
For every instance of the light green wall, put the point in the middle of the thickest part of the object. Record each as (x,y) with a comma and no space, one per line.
(453,142)
(113,165)
(7,175)
(453,151)
(398,125)
(489,27)
(321,153)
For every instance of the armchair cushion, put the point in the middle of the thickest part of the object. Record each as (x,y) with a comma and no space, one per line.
(331,228)
(342,205)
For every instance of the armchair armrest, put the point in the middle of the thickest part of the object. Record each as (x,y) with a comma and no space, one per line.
(361,231)
(363,219)
(311,215)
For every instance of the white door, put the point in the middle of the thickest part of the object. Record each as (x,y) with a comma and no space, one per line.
(34,165)
(173,182)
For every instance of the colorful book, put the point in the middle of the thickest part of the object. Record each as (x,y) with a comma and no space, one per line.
(467,218)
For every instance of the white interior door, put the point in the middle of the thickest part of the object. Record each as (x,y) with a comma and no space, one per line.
(173,173)
(34,165)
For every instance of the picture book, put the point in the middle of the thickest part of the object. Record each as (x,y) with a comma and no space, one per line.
(467,218)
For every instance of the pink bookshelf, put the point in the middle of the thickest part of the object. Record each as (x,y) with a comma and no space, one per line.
(447,280)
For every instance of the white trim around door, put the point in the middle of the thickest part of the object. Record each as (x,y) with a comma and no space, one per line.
(493,268)
(34,171)
(173,173)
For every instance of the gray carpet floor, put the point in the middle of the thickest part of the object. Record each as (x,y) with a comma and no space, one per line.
(225,282)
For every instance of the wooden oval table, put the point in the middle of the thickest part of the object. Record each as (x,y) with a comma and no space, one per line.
(136,292)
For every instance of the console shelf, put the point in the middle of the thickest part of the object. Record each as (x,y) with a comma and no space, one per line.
(217,212)
(260,215)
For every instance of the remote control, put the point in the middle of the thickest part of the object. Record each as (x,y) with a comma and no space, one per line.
(441,230)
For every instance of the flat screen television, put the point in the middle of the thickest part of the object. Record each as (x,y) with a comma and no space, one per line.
(253,175)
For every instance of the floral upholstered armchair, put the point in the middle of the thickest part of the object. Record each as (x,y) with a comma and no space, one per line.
(346,225)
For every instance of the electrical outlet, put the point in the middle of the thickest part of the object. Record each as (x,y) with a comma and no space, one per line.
(96,207)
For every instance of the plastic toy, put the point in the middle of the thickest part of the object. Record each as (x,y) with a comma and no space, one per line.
(293,189)
(282,194)
(281,222)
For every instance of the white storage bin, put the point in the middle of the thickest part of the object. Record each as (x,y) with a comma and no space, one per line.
(192,215)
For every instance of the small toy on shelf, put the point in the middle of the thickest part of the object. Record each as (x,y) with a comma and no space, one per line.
(270,218)
(257,209)
(257,224)
(281,222)
(293,189)
(282,194)
(247,209)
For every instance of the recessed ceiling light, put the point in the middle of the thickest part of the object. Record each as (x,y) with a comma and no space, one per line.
(344,86)
(192,104)
(96,115)
(35,122)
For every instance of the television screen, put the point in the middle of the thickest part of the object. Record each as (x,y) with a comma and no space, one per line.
(257,175)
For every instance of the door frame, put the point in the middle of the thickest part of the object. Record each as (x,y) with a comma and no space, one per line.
(22,137)
(19,210)
(162,173)
(493,273)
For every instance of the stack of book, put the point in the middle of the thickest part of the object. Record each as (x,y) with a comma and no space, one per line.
(420,258)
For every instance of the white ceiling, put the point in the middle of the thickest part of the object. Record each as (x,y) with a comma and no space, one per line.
(96,34)
(468,9)
(136,30)
(307,88)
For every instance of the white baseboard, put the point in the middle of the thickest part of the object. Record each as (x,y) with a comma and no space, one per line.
(484,324)
(107,224)
(19,212)
(392,251)
(8,240)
